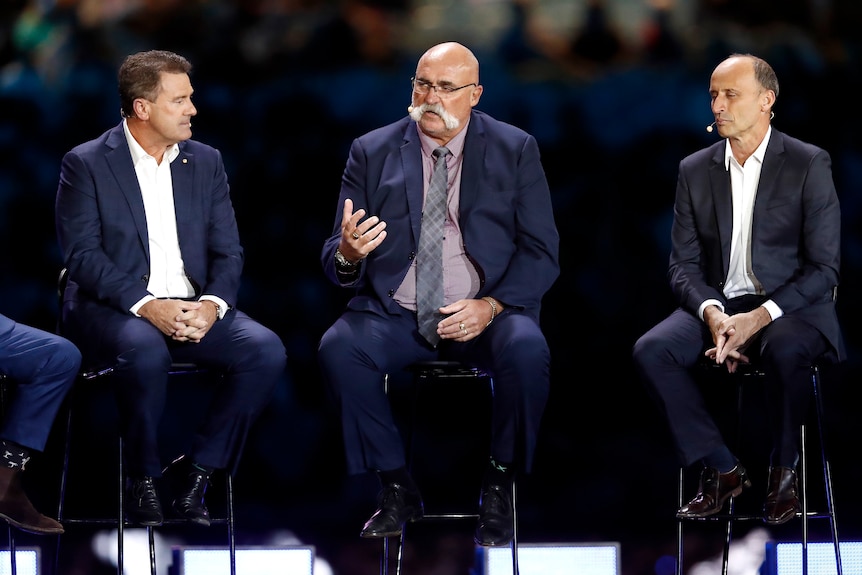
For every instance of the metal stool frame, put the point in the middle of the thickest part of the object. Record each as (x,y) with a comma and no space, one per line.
(90,375)
(13,560)
(429,370)
(119,521)
(750,371)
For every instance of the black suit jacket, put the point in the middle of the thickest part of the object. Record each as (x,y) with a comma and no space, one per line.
(796,238)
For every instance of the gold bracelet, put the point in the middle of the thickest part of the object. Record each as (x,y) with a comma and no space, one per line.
(493,305)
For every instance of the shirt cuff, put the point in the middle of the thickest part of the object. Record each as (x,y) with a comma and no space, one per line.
(222,305)
(134,309)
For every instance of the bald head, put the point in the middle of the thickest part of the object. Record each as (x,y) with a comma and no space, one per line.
(454,57)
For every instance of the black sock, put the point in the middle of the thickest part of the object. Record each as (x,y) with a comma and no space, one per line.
(205,468)
(400,476)
(721,459)
(14,456)
(500,473)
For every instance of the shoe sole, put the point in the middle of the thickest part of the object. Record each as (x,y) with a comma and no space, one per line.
(782,519)
(394,533)
(144,523)
(30,528)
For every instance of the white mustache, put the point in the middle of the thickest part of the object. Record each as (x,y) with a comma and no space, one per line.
(449,121)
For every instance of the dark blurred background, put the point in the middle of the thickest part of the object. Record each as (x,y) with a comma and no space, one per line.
(615,91)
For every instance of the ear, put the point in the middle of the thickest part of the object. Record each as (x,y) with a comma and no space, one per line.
(139,106)
(475,94)
(767,100)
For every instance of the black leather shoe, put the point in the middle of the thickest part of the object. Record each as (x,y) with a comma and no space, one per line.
(496,525)
(715,488)
(782,496)
(190,484)
(142,502)
(396,505)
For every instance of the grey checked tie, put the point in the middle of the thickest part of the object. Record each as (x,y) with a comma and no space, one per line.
(429,257)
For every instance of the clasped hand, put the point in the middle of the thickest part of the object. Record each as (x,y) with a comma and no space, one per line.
(731,335)
(179,319)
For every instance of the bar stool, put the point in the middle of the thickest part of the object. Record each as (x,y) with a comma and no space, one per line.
(13,560)
(746,373)
(119,521)
(88,378)
(422,373)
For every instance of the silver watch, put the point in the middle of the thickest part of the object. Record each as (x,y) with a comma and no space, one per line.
(343,262)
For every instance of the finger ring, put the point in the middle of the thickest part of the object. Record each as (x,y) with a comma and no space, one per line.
(461,326)
(464,331)
(355,236)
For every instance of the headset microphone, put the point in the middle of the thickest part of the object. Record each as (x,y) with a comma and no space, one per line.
(409,109)
(710,127)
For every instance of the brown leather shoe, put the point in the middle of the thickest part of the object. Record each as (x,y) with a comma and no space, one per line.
(16,509)
(715,488)
(782,497)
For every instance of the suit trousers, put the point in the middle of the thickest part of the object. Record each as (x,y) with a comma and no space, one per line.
(43,367)
(361,347)
(250,357)
(668,355)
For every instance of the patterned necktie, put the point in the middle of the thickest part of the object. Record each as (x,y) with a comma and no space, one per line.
(429,257)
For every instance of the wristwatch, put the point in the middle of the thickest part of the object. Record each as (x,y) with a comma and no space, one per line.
(344,263)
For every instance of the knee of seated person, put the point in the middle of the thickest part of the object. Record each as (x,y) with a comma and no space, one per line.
(333,349)
(67,357)
(647,349)
(265,351)
(145,362)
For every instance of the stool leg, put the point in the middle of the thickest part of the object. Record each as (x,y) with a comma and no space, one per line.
(803,464)
(13,559)
(152,542)
(515,569)
(399,556)
(680,486)
(728,534)
(384,557)
(230,523)
(827,471)
(64,474)
(121,500)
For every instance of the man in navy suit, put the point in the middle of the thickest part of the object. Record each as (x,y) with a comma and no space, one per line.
(40,368)
(500,257)
(150,240)
(754,265)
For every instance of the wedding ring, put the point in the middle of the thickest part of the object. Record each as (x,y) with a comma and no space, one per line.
(355,236)
(461,326)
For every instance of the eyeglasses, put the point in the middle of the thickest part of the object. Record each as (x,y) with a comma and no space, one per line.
(422,87)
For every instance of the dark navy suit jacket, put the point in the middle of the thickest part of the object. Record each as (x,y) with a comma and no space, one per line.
(102,226)
(795,243)
(506,215)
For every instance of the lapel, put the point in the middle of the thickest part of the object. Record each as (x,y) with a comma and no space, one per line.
(411,164)
(773,162)
(719,183)
(471,169)
(182,177)
(119,161)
